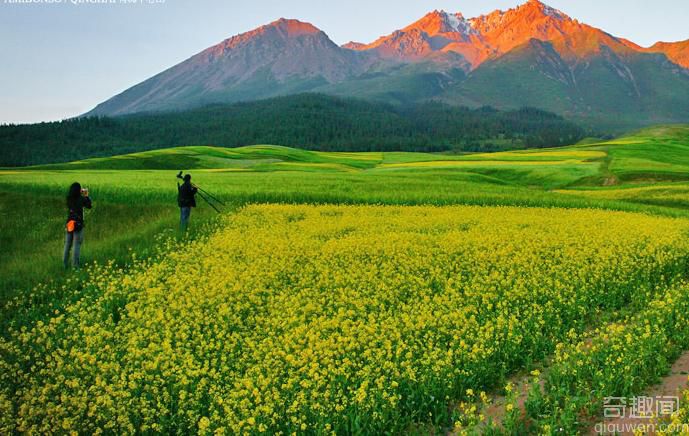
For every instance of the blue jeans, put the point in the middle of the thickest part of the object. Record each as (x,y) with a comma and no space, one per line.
(184,214)
(73,239)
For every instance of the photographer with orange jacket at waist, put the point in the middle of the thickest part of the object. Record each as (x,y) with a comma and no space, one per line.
(77,200)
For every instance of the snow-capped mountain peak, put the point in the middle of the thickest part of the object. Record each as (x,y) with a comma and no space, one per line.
(457,23)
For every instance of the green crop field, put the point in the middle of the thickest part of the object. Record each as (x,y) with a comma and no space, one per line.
(630,193)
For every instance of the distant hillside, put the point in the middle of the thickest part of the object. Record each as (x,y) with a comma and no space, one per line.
(646,157)
(308,121)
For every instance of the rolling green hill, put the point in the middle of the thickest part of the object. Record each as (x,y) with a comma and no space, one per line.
(657,154)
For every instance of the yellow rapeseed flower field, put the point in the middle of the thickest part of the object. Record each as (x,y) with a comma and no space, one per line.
(320,319)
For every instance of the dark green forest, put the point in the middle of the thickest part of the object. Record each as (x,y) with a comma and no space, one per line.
(309,121)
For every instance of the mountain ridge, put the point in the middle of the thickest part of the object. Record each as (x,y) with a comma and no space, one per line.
(492,35)
(678,52)
(439,57)
(275,52)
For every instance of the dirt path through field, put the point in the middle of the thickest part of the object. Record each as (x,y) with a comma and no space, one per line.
(670,386)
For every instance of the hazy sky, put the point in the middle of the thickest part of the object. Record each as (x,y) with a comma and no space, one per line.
(62,57)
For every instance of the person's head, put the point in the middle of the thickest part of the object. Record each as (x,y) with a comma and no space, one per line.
(74,190)
(187,178)
(74,193)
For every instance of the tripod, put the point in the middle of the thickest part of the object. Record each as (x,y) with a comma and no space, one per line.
(205,195)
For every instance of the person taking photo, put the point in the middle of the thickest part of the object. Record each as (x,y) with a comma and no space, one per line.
(77,200)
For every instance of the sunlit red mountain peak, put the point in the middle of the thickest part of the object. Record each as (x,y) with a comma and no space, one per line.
(436,32)
(442,23)
(492,35)
(280,54)
(507,29)
(280,29)
(533,13)
(291,27)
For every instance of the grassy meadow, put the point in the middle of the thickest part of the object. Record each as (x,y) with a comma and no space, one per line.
(346,292)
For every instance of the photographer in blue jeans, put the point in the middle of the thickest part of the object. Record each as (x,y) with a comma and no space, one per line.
(77,200)
(186,199)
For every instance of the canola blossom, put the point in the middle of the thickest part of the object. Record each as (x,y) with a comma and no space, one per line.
(619,359)
(345,319)
(678,424)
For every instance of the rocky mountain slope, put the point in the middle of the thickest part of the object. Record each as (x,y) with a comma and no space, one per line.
(530,55)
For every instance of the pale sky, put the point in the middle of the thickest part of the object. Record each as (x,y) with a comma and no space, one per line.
(62,57)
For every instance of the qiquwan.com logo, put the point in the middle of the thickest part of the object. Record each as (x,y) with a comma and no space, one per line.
(623,415)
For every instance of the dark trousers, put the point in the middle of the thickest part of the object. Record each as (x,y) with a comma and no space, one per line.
(184,214)
(73,239)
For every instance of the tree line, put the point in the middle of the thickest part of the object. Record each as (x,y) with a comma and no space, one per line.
(308,121)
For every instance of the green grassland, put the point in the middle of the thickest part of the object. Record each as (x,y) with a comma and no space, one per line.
(135,197)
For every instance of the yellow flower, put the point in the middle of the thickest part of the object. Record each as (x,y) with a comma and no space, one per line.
(204,423)
(289,316)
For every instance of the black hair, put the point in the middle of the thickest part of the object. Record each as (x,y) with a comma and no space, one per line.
(187,177)
(73,195)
